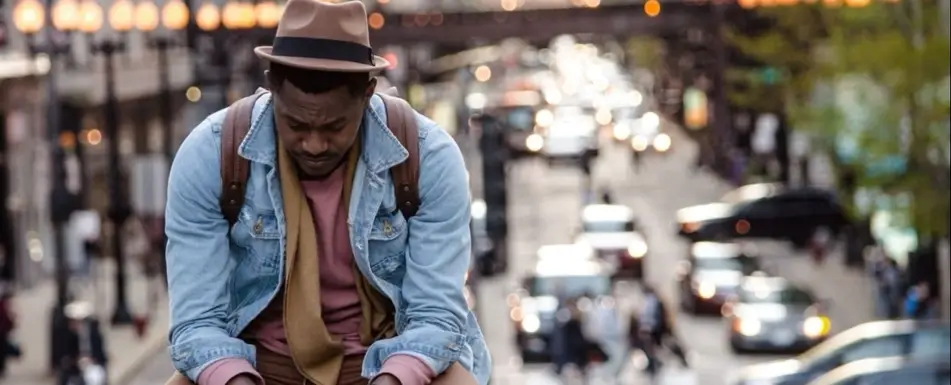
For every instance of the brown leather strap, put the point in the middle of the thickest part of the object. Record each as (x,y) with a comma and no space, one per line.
(401,120)
(234,168)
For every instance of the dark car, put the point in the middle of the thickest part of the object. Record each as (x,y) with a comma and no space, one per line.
(869,340)
(711,275)
(890,371)
(770,314)
(768,211)
(534,305)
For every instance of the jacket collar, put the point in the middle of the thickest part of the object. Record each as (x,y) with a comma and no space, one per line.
(381,149)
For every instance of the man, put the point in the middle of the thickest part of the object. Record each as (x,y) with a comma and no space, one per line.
(656,325)
(321,279)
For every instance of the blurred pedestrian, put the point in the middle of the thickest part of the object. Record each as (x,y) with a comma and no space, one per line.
(887,275)
(919,303)
(570,345)
(655,321)
(606,197)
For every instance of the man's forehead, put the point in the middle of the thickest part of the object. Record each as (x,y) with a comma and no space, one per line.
(306,106)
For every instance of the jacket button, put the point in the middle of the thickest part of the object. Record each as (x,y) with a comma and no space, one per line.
(258,226)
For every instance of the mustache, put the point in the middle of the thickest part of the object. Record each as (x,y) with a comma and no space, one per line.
(322,157)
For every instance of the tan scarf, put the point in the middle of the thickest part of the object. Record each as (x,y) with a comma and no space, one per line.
(315,352)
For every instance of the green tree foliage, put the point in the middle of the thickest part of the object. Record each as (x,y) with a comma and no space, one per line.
(878,73)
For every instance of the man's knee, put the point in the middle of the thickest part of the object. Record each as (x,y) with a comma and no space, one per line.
(179,379)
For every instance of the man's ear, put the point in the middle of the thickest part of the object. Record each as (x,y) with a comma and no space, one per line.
(269,82)
(371,88)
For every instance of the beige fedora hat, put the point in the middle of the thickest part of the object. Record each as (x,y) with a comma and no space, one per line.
(324,36)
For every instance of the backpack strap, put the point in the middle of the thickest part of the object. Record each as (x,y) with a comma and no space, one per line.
(234,168)
(401,120)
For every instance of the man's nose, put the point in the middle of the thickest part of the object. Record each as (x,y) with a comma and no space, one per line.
(314,143)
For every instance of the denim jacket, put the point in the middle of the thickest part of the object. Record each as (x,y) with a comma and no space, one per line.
(219,282)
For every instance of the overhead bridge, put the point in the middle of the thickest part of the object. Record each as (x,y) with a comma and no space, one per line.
(536,25)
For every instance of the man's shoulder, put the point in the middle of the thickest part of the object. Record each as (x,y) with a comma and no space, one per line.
(432,137)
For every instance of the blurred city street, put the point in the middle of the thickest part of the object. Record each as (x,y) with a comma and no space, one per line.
(544,210)
(808,143)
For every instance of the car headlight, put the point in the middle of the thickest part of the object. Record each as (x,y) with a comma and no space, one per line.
(531,323)
(534,142)
(639,143)
(816,326)
(621,131)
(637,250)
(705,290)
(661,142)
(747,326)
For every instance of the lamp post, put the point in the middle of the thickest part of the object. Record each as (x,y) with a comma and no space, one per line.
(175,18)
(123,16)
(221,26)
(30,17)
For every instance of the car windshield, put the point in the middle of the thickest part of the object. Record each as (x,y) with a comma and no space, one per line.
(787,296)
(744,264)
(570,286)
(608,226)
(521,119)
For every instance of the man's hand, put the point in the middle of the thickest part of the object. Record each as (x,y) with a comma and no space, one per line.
(385,379)
(242,379)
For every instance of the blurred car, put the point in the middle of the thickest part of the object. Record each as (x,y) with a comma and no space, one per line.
(764,210)
(534,304)
(771,314)
(611,231)
(889,371)
(521,135)
(570,137)
(646,135)
(877,339)
(711,274)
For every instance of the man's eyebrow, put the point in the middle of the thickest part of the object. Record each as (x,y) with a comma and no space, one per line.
(337,121)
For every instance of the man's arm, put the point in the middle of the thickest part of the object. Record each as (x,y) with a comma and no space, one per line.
(439,252)
(197,255)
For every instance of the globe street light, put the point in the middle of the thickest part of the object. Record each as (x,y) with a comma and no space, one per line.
(123,16)
(174,17)
(29,17)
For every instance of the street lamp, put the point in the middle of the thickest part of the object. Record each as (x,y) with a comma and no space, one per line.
(174,17)
(122,18)
(30,18)
(268,14)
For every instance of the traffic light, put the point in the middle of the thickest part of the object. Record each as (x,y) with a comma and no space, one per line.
(652,8)
(495,194)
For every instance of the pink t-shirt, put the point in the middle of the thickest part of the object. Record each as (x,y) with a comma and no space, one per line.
(340,301)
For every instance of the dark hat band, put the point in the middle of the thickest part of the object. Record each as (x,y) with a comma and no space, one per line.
(316,48)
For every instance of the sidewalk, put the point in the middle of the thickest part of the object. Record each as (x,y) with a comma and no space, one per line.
(850,291)
(127,352)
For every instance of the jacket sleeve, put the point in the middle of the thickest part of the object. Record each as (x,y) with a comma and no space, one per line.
(197,255)
(434,307)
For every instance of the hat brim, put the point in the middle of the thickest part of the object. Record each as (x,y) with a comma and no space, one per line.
(379,63)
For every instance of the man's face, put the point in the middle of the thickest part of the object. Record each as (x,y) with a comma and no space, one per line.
(318,129)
